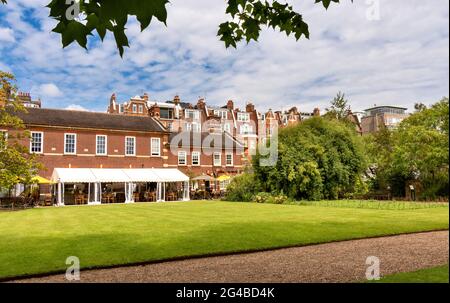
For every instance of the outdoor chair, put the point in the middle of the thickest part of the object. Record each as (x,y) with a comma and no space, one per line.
(78,200)
(48,200)
(105,198)
(150,196)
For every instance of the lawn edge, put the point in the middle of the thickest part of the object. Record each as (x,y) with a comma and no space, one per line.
(405,272)
(230,253)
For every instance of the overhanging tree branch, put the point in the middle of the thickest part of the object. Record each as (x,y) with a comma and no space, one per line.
(78,21)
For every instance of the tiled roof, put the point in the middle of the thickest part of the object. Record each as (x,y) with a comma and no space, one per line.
(205,140)
(84,119)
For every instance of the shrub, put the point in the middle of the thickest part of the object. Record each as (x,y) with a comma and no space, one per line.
(242,188)
(262,197)
(280,199)
(316,159)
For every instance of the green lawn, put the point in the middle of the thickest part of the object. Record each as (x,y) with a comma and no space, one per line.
(40,240)
(428,275)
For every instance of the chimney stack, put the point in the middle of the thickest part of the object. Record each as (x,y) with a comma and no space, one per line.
(230,105)
(176,100)
(249,108)
(201,103)
(112,109)
(145,97)
(155,111)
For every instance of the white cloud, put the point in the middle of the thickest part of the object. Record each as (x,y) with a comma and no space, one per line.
(6,35)
(50,90)
(76,107)
(401,59)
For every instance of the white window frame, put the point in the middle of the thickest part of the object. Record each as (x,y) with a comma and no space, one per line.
(241,115)
(141,108)
(196,153)
(223,114)
(152,146)
(226,159)
(246,129)
(196,127)
(134,146)
(75,144)
(42,143)
(182,154)
(220,159)
(227,127)
(134,108)
(106,145)
(196,114)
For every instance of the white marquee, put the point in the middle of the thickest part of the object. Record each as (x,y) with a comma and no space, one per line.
(96,176)
(92,175)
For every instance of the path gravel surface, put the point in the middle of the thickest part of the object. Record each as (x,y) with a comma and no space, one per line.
(332,262)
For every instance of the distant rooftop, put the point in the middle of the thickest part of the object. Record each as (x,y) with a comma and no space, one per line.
(385,106)
(387,109)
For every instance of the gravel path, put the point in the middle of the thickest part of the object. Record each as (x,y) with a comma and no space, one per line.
(331,262)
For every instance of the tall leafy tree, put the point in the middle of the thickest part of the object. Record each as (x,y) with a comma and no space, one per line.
(421,148)
(317,159)
(339,108)
(416,151)
(17,165)
(419,106)
(77,22)
(381,175)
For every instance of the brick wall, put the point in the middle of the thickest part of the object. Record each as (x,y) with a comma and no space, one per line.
(53,153)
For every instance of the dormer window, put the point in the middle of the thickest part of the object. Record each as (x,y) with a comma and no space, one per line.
(166,113)
(221,113)
(141,109)
(243,117)
(134,108)
(192,114)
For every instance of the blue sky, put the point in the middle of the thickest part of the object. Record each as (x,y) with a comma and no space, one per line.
(399,59)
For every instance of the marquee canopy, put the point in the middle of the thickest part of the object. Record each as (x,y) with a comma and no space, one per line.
(106,175)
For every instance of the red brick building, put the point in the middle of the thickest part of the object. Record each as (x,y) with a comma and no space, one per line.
(90,140)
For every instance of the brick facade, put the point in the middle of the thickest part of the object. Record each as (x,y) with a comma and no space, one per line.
(55,124)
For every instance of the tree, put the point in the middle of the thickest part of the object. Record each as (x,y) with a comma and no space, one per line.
(416,151)
(339,107)
(16,163)
(421,149)
(77,22)
(420,106)
(317,159)
(382,177)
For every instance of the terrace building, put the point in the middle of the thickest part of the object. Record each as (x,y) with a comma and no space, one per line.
(111,151)
(382,116)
